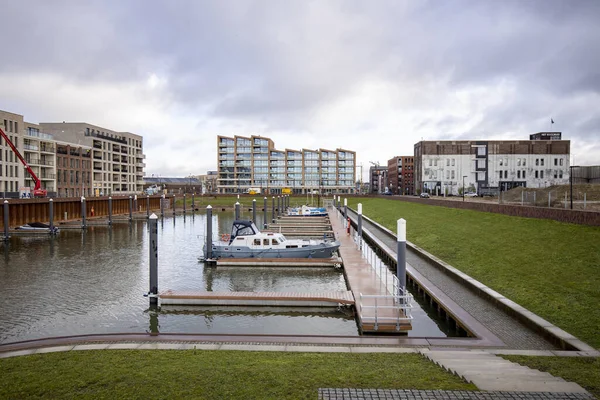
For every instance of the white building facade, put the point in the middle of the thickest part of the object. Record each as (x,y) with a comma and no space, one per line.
(446,167)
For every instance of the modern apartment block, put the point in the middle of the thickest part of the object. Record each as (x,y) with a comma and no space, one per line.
(117,157)
(253,162)
(401,175)
(378,179)
(11,169)
(488,166)
(36,148)
(73,170)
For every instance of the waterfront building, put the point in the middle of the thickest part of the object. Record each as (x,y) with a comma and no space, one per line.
(73,170)
(117,157)
(253,162)
(401,175)
(487,166)
(36,148)
(378,179)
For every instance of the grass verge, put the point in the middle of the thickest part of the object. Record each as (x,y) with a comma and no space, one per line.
(582,370)
(549,267)
(213,374)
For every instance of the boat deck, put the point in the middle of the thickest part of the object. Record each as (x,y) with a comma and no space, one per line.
(279,262)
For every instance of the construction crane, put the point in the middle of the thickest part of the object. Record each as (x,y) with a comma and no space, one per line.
(375,164)
(37,190)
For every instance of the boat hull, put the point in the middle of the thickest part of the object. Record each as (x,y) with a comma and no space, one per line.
(323,250)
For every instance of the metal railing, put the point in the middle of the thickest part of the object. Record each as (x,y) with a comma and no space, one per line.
(396,297)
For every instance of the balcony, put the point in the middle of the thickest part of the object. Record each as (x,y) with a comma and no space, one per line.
(47,177)
(47,148)
(33,161)
(30,147)
(97,145)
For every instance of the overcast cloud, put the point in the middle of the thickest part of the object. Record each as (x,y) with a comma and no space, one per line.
(374,77)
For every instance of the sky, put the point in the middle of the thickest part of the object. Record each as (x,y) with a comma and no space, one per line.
(372,77)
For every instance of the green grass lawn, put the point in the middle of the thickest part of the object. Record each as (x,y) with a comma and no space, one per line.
(582,370)
(549,267)
(159,374)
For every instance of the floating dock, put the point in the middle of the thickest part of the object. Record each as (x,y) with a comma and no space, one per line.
(279,262)
(378,312)
(281,299)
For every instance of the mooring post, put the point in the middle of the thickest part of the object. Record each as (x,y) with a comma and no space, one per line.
(273,210)
(130,209)
(162,205)
(209,232)
(237,210)
(254,210)
(153,293)
(549,196)
(345,209)
(148,206)
(522,197)
(109,210)
(193,203)
(83,212)
(278,206)
(401,257)
(51,214)
(135,204)
(6,215)
(265,213)
(339,202)
(184,205)
(174,204)
(359,225)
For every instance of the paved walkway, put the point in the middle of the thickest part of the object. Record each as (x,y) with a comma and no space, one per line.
(407,394)
(512,332)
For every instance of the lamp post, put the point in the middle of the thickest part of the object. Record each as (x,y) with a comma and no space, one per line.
(463,194)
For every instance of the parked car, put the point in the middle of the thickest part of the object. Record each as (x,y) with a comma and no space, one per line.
(387,194)
(425,195)
(471,194)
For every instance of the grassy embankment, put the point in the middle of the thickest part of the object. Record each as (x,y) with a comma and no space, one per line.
(550,268)
(213,374)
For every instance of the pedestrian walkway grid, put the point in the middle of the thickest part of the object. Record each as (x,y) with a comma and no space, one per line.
(410,394)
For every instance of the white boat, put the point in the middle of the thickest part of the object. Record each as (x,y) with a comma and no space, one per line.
(247,241)
(306,211)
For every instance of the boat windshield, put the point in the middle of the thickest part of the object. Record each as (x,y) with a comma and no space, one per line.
(243,228)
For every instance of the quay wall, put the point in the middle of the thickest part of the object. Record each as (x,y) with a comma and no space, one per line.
(581,217)
(23,211)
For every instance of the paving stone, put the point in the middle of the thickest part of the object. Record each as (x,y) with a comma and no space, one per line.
(243,347)
(409,394)
(18,353)
(360,349)
(54,349)
(95,346)
(319,349)
(123,346)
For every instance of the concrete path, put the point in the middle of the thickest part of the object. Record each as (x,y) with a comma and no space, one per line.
(492,373)
(411,394)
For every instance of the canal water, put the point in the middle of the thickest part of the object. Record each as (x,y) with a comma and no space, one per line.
(93,281)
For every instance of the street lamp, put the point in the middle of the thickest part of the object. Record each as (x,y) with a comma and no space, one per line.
(464,176)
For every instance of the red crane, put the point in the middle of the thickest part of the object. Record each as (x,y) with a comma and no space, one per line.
(37,190)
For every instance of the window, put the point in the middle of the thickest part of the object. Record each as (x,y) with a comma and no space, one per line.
(453,161)
(560,174)
(16,129)
(537,161)
(541,174)
(524,161)
(447,177)
(523,174)
(518,162)
(257,243)
(542,162)
(536,176)
(555,174)
(266,242)
(560,162)
(447,165)
(499,177)
(505,174)
(435,163)
(519,174)
(430,162)
(556,161)
(10,126)
(500,162)
(452,174)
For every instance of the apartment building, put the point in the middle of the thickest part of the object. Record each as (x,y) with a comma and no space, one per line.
(37,150)
(73,170)
(446,167)
(378,179)
(253,162)
(11,169)
(117,158)
(401,175)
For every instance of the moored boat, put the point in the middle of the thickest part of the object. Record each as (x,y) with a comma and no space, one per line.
(247,241)
(306,211)
(37,226)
